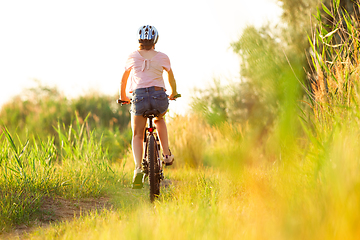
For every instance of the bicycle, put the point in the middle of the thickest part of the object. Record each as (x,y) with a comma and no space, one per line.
(151,163)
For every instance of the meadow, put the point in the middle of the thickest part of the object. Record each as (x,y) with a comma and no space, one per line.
(292,173)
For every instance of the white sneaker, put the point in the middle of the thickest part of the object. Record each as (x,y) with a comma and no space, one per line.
(138,179)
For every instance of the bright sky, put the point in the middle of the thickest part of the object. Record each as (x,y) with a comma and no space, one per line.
(80,45)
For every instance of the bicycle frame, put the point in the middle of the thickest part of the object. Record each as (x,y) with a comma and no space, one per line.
(152,164)
(151,130)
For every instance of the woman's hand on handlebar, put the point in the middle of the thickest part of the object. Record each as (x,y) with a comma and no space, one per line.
(124,100)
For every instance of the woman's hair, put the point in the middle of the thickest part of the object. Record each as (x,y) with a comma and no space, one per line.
(146,44)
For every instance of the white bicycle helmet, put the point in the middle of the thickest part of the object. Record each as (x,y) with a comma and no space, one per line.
(148,32)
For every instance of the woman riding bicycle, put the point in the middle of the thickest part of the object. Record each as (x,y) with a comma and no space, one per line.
(145,68)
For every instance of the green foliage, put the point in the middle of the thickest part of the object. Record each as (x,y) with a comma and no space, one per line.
(28,171)
(212,103)
(270,57)
(38,110)
(265,65)
(61,148)
(297,18)
(269,89)
(335,80)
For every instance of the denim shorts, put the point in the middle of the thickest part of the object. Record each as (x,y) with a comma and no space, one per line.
(144,99)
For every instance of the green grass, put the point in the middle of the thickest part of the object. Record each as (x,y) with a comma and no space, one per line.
(247,190)
(78,168)
(263,201)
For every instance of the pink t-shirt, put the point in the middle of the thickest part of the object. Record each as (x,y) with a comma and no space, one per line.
(147,72)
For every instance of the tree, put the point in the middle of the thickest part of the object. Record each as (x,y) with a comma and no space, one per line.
(271,58)
(298,19)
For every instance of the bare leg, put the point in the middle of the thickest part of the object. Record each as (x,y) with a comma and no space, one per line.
(138,124)
(163,135)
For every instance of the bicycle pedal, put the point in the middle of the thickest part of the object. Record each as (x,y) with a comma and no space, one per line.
(161,175)
(168,164)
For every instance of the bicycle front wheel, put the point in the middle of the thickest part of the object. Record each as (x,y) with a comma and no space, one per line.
(154,169)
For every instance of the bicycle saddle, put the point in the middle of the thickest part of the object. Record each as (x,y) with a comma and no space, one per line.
(151,113)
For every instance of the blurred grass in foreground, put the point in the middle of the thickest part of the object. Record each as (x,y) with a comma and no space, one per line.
(264,201)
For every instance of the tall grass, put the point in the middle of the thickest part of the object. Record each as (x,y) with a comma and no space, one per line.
(78,168)
(335,82)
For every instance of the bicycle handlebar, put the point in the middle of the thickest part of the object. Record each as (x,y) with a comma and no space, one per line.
(126,102)
(177,96)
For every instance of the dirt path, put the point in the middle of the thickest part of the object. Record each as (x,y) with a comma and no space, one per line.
(58,210)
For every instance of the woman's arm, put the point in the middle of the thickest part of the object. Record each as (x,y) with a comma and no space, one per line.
(123,83)
(172,83)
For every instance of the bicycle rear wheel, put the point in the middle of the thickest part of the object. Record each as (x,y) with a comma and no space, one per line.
(154,169)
